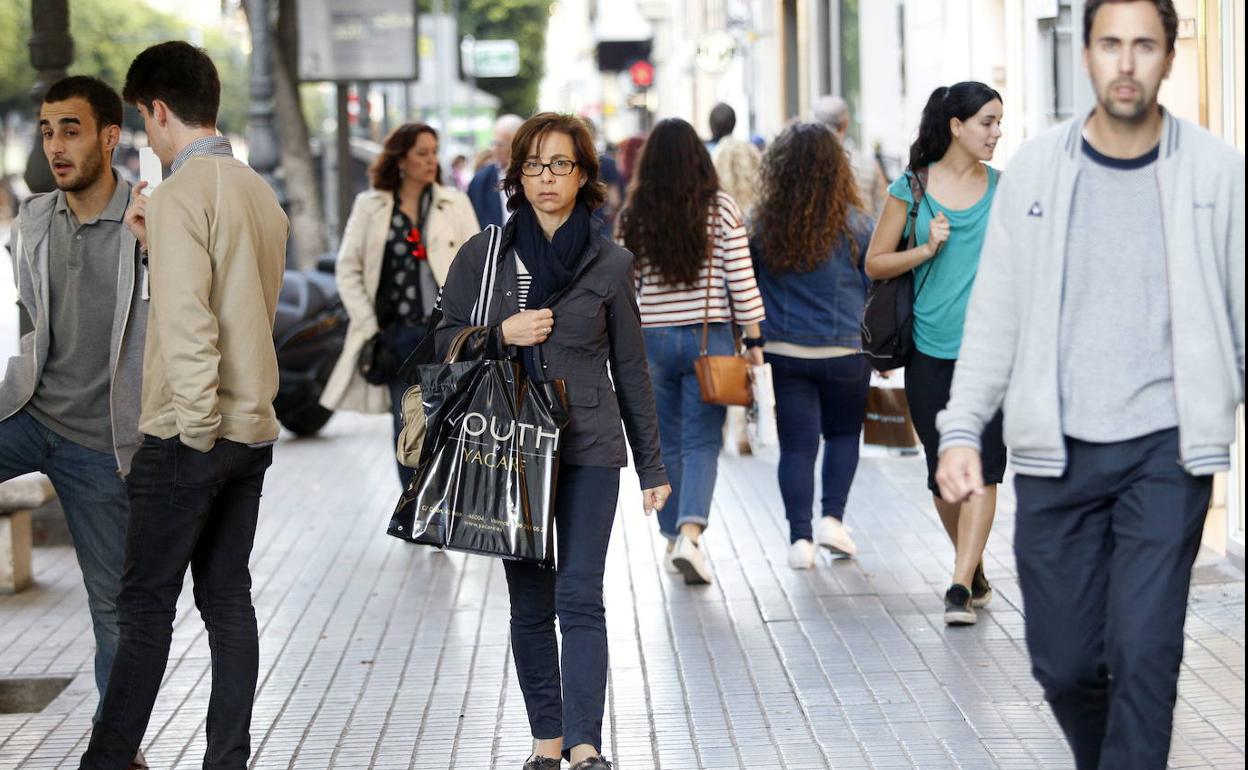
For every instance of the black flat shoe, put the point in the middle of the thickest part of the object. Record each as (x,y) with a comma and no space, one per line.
(542,763)
(593,763)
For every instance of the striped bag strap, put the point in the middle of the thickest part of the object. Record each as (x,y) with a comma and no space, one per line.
(489,277)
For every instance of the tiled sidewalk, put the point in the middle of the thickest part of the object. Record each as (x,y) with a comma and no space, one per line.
(377,654)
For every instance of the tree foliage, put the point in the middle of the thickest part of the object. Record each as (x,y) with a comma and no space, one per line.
(108,34)
(524,21)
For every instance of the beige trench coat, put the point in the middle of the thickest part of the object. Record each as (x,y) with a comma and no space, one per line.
(451,223)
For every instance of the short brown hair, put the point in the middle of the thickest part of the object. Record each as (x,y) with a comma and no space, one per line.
(384,173)
(1169,19)
(592,193)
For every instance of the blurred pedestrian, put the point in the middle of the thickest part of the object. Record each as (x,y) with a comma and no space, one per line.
(395,253)
(69,402)
(737,164)
(810,241)
(958,135)
(693,264)
(215,238)
(609,174)
(460,177)
(627,155)
(567,305)
(1108,319)
(489,200)
(833,111)
(722,122)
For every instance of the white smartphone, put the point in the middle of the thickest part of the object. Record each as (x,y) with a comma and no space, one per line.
(150,169)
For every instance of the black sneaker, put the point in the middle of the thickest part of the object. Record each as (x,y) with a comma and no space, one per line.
(542,763)
(593,763)
(981,589)
(959,611)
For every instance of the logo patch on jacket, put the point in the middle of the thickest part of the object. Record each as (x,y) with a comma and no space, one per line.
(1035,210)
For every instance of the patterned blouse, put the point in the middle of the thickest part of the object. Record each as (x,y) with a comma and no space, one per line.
(405,275)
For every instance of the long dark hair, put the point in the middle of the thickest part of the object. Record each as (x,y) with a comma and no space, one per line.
(664,220)
(384,173)
(961,101)
(808,194)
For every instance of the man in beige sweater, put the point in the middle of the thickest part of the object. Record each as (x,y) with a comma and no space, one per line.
(216,240)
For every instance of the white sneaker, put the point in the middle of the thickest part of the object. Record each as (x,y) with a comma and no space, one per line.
(688,559)
(802,555)
(834,536)
(667,558)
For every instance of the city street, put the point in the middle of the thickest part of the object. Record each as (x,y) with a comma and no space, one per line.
(379,654)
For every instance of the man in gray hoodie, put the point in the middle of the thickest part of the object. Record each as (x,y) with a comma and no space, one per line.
(1107,319)
(69,401)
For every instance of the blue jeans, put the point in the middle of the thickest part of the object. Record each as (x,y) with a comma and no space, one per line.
(835,391)
(690,430)
(198,510)
(96,509)
(403,340)
(570,705)
(1105,556)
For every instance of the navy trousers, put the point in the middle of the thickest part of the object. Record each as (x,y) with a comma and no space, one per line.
(567,700)
(1105,558)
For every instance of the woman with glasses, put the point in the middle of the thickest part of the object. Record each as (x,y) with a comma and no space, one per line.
(396,250)
(564,305)
(693,264)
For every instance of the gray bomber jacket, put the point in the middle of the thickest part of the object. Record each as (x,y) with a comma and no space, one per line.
(1010,344)
(29,249)
(597,323)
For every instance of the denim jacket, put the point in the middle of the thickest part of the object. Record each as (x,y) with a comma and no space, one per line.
(823,307)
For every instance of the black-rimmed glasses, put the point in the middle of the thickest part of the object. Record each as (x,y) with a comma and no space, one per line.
(560,167)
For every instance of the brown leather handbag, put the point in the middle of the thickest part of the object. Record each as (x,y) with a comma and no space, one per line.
(723,380)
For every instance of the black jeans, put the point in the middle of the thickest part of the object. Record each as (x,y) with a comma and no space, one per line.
(570,706)
(1105,559)
(195,509)
(402,340)
(833,390)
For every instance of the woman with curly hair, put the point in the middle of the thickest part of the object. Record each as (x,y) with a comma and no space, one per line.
(810,243)
(690,244)
(395,253)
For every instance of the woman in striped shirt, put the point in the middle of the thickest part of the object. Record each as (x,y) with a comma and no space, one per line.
(690,242)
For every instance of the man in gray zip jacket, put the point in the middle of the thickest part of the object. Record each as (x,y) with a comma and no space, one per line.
(1107,319)
(69,401)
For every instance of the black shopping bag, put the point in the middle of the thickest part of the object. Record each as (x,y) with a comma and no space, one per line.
(489,467)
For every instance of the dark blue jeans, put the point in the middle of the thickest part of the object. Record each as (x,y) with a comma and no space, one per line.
(1105,559)
(96,509)
(570,706)
(403,340)
(818,398)
(691,431)
(194,509)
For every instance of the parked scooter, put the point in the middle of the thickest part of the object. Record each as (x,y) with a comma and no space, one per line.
(308,332)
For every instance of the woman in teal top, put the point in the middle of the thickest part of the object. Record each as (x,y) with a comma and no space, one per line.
(957,137)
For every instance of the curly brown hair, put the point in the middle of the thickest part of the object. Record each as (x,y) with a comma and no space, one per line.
(664,221)
(592,193)
(807,193)
(384,173)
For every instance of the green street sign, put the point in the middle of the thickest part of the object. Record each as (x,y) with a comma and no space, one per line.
(490,58)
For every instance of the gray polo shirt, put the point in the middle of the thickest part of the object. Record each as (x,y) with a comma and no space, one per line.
(1115,361)
(72,397)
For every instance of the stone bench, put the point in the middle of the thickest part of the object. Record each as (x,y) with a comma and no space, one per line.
(19,497)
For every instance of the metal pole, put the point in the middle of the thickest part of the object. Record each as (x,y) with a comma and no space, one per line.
(51,51)
(263,149)
(343,142)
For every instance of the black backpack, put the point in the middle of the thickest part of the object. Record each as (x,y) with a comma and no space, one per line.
(888,318)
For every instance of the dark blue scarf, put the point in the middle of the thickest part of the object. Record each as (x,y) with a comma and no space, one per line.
(551,264)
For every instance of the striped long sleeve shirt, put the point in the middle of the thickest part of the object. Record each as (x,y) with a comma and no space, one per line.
(731,274)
